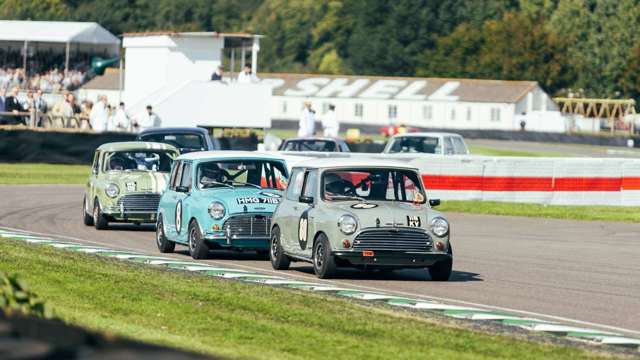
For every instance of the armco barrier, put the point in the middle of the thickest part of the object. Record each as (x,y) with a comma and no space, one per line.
(557,181)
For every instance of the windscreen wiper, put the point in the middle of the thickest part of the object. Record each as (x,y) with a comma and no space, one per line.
(245,183)
(206,184)
(346,197)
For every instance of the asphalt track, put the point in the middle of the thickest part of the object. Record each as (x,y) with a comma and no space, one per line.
(586,273)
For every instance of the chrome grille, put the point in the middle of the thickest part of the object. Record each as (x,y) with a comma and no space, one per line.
(132,203)
(247,226)
(393,240)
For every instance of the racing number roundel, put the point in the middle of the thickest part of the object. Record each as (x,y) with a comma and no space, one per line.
(178,216)
(303,229)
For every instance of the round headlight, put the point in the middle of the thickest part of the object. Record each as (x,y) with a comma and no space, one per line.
(439,226)
(347,224)
(216,210)
(112,190)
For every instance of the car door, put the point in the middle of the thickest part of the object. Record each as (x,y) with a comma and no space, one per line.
(288,210)
(91,182)
(183,203)
(306,209)
(168,202)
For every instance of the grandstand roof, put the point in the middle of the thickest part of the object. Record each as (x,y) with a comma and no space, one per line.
(56,32)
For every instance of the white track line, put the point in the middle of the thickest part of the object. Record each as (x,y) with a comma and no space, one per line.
(369,288)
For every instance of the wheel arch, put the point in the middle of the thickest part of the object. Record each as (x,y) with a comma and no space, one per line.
(315,239)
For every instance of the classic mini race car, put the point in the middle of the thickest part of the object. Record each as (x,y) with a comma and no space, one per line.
(220,200)
(126,181)
(369,214)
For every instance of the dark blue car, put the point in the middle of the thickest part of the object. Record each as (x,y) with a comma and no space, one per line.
(186,139)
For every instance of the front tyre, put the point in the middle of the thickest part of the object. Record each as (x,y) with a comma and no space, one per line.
(87,218)
(99,221)
(198,249)
(279,261)
(324,264)
(164,245)
(441,271)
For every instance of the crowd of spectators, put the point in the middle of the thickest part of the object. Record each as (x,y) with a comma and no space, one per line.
(45,71)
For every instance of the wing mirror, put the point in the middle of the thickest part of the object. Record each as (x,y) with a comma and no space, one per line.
(306,199)
(434,202)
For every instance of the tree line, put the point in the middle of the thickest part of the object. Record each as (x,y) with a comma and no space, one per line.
(584,47)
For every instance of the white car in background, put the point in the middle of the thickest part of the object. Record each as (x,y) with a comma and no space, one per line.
(438,143)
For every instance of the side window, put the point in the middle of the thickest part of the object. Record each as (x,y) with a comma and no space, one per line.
(175,175)
(459,146)
(295,185)
(185,179)
(96,162)
(310,183)
(448,146)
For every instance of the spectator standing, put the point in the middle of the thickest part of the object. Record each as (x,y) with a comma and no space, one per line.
(3,97)
(217,75)
(330,125)
(147,119)
(99,115)
(12,104)
(120,120)
(40,103)
(246,76)
(307,123)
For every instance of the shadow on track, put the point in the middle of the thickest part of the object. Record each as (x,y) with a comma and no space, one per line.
(400,275)
(130,227)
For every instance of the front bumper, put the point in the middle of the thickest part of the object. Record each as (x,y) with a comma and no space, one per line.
(130,216)
(392,258)
(220,240)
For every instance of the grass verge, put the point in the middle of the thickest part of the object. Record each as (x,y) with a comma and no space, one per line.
(43,174)
(243,320)
(490,151)
(591,213)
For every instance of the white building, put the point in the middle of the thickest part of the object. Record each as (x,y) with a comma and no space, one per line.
(420,102)
(171,72)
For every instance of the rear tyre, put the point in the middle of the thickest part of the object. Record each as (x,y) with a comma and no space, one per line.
(99,221)
(324,264)
(441,271)
(164,245)
(87,219)
(279,261)
(198,249)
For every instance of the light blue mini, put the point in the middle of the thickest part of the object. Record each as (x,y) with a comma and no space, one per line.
(220,200)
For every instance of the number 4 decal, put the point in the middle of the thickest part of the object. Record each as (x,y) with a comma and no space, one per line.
(303,229)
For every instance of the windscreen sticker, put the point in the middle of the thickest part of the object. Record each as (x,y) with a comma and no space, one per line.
(364,206)
(414,221)
(257,200)
(269,194)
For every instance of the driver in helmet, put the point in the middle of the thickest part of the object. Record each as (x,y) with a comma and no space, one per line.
(116,163)
(334,185)
(212,173)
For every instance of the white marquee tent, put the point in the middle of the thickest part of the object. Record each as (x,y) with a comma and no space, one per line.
(82,35)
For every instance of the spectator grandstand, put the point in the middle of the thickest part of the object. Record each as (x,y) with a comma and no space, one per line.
(49,55)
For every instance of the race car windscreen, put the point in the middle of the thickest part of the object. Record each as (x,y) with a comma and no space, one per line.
(372,184)
(310,145)
(190,142)
(416,144)
(142,160)
(251,173)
